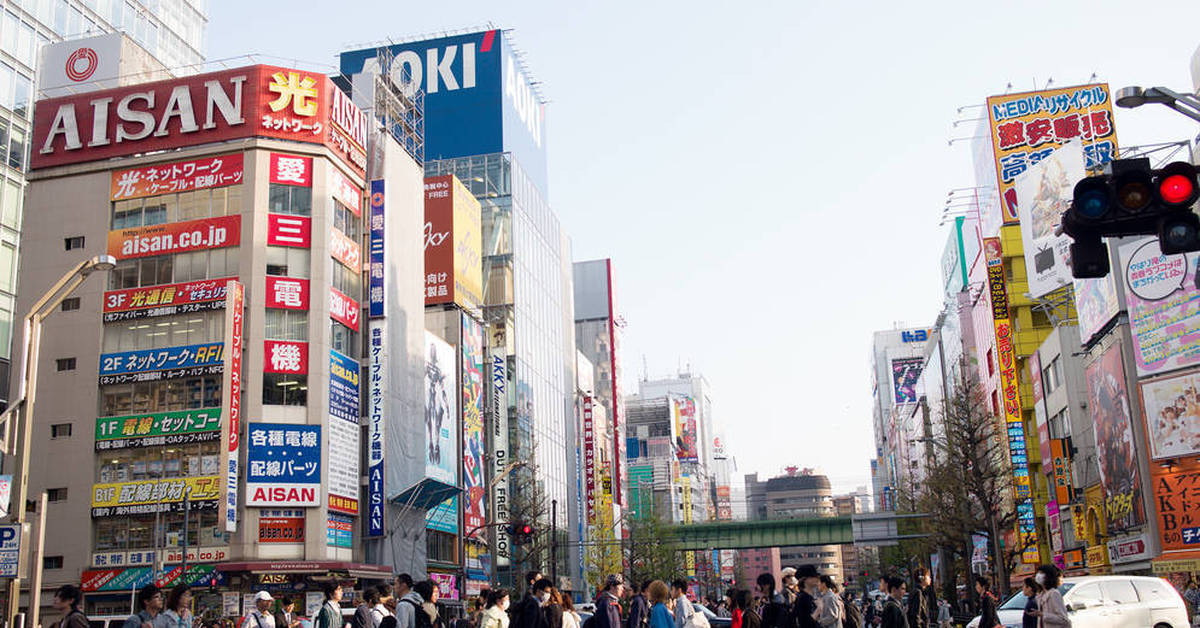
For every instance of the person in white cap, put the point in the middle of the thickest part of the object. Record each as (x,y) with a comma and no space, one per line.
(261,616)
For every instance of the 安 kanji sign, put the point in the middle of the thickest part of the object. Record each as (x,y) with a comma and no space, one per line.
(283,465)
(177,176)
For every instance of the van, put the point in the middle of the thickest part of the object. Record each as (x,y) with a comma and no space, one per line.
(1109,602)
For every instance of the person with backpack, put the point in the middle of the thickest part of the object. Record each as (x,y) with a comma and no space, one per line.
(920,600)
(261,616)
(68,601)
(683,606)
(330,615)
(639,608)
(608,604)
(829,605)
(773,610)
(746,609)
(893,614)
(363,618)
(803,611)
(427,616)
(409,603)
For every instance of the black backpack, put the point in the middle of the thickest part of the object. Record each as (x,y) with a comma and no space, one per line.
(420,617)
(362,617)
(777,615)
(590,622)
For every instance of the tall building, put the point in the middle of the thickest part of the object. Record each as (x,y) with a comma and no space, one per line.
(484,122)
(689,403)
(798,494)
(207,390)
(172,33)
(896,361)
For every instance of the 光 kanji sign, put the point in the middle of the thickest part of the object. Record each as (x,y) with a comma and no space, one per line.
(283,356)
(175,298)
(283,465)
(176,176)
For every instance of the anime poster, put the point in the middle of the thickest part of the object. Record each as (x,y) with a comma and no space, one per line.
(905,374)
(683,410)
(1161,292)
(474,509)
(1108,401)
(441,411)
(1172,410)
(1044,192)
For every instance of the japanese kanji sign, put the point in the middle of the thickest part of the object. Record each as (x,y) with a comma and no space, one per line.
(474,487)
(283,465)
(285,356)
(176,176)
(343,309)
(158,429)
(376,381)
(1177,500)
(150,496)
(287,293)
(231,402)
(175,237)
(169,362)
(378,249)
(589,459)
(167,300)
(344,190)
(345,250)
(285,230)
(453,232)
(343,433)
(291,170)
(1028,126)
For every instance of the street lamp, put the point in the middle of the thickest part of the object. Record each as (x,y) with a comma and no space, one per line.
(31,344)
(1134,96)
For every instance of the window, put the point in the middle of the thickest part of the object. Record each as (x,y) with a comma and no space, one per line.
(148,463)
(60,430)
(1088,594)
(65,364)
(343,339)
(191,205)
(1052,376)
(70,304)
(75,242)
(348,282)
(346,221)
(161,396)
(158,333)
(285,261)
(1154,590)
(991,363)
(56,494)
(284,389)
(286,325)
(1119,591)
(136,532)
(1058,425)
(156,271)
(289,199)
(52,562)
(442,547)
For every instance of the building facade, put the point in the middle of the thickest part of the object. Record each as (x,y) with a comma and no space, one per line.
(799,494)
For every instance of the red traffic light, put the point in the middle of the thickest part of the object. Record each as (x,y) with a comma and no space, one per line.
(1177,184)
(527,529)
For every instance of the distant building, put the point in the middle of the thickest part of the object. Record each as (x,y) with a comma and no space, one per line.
(798,494)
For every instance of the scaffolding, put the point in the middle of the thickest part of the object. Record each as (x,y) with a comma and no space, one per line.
(399,107)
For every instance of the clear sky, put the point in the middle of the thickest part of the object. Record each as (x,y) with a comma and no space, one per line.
(768,177)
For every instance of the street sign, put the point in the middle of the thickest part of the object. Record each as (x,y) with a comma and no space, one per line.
(10,550)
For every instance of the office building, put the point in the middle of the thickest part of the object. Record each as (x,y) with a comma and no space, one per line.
(801,494)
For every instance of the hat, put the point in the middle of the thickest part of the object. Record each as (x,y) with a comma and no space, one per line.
(807,571)
(788,571)
(614,580)
(263,595)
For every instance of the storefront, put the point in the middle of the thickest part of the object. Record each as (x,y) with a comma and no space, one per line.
(112,591)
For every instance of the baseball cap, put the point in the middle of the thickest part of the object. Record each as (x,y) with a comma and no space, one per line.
(788,571)
(263,595)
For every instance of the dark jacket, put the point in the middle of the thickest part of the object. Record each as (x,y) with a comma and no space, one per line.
(529,613)
(554,615)
(639,612)
(893,615)
(74,619)
(608,611)
(750,619)
(802,611)
(281,621)
(987,610)
(920,601)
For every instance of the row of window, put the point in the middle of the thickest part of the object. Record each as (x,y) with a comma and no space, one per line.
(161,396)
(178,268)
(179,207)
(159,333)
(137,532)
(149,463)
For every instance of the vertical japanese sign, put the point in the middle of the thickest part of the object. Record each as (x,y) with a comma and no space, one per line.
(1108,402)
(589,459)
(376,381)
(343,433)
(376,285)
(683,410)
(474,509)
(231,402)
(441,411)
(453,244)
(1161,293)
(498,413)
(1027,127)
(1061,471)
(906,373)
(287,293)
(1177,500)
(688,556)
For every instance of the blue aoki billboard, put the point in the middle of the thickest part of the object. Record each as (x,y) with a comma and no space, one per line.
(478,97)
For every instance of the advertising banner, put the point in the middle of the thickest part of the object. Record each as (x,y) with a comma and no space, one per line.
(158,429)
(1171,406)
(453,244)
(1129,549)
(1054,525)
(683,411)
(441,411)
(150,496)
(285,526)
(5,494)
(82,64)
(175,237)
(447,585)
(1161,292)
(290,170)
(176,176)
(147,365)
(285,356)
(345,250)
(344,191)
(167,300)
(343,309)
(498,426)
(1027,127)
(905,374)
(339,531)
(1175,500)
(443,517)
(1060,463)
(589,459)
(285,230)
(1044,192)
(377,253)
(287,293)
(1096,303)
(283,465)
(231,403)
(1108,402)
(343,432)
(376,427)
(10,550)
(256,100)
(474,486)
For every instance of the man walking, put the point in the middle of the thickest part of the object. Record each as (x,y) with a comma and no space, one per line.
(920,600)
(149,604)
(893,613)
(408,603)
(286,617)
(639,608)
(683,606)
(805,607)
(261,616)
(608,604)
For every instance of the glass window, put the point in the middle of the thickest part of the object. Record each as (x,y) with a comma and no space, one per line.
(347,281)
(8,262)
(161,396)
(1119,591)
(156,333)
(21,91)
(343,339)
(286,325)
(16,147)
(1153,590)
(289,199)
(1088,594)
(283,261)
(345,221)
(282,389)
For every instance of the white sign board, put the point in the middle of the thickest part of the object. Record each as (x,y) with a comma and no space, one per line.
(10,550)
(1044,192)
(80,65)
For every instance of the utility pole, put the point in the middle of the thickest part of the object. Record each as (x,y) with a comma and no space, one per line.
(187,508)
(554,541)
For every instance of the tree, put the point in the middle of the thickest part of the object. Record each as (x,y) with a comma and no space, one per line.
(602,556)
(528,504)
(652,552)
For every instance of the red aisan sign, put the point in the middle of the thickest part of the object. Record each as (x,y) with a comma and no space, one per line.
(343,309)
(175,237)
(291,170)
(287,293)
(285,230)
(176,176)
(281,530)
(284,356)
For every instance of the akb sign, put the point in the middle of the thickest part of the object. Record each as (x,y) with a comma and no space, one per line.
(251,101)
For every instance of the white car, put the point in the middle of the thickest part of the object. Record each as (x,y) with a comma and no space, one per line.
(1109,602)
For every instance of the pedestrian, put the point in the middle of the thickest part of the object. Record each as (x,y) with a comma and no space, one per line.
(1030,588)
(528,612)
(893,614)
(495,611)
(408,603)
(608,603)
(363,617)
(1191,594)
(552,605)
(790,587)
(286,616)
(829,605)
(683,606)
(772,609)
(571,618)
(918,599)
(1051,610)
(381,607)
(149,604)
(851,613)
(987,602)
(659,597)
(748,607)
(330,615)
(805,608)
(68,600)
(943,616)
(261,616)
(428,590)
(476,616)
(639,608)
(178,611)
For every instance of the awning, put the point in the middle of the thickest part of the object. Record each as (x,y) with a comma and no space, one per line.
(133,578)
(426,494)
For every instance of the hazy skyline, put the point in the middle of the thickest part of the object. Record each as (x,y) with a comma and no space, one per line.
(768,177)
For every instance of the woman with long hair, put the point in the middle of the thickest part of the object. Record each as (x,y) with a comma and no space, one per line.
(495,612)
(570,617)
(1051,611)
(178,613)
(744,602)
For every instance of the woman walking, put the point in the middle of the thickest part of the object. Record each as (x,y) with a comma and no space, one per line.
(1051,610)
(179,609)
(660,616)
(495,613)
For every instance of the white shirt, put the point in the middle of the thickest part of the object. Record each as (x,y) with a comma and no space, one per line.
(256,619)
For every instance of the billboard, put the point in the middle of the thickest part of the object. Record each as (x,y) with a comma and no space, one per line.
(453,232)
(1160,295)
(478,97)
(1171,406)
(168,300)
(1109,404)
(443,517)
(1027,127)
(285,356)
(343,433)
(441,411)
(343,309)
(905,374)
(158,429)
(687,439)
(1096,303)
(175,237)
(589,459)
(498,430)
(376,427)
(283,465)
(1044,192)
(150,496)
(69,67)
(285,230)
(1175,502)
(165,363)
(231,403)
(256,100)
(176,176)
(287,293)
(377,248)
(474,486)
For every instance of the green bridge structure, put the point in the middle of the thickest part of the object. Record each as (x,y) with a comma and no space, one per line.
(863,529)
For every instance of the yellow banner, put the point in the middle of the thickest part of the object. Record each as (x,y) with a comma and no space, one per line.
(165,491)
(1163,567)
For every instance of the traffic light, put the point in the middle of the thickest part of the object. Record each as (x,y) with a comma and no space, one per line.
(521,533)
(1132,199)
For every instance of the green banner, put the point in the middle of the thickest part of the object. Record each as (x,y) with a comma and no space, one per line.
(161,428)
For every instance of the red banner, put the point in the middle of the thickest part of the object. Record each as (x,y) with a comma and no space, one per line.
(343,309)
(176,176)
(344,505)
(281,530)
(174,298)
(175,237)
(345,191)
(291,170)
(287,293)
(285,356)
(293,231)
(231,392)
(345,250)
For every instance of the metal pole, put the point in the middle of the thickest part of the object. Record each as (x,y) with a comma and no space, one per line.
(187,507)
(35,582)
(554,541)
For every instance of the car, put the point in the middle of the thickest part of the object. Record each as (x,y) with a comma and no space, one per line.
(1108,602)
(713,620)
(584,615)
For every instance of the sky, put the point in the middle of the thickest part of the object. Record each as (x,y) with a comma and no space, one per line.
(767,177)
